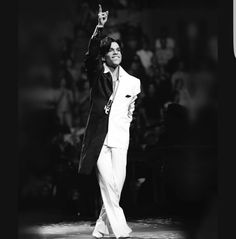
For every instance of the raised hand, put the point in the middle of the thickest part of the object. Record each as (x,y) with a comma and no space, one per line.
(102,16)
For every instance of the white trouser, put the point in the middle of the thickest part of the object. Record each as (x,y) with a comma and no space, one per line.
(111,174)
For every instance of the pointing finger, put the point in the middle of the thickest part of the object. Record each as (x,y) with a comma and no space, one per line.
(100,8)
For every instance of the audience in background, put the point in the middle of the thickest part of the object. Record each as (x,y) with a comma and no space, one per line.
(164,47)
(82,102)
(150,107)
(136,68)
(179,73)
(113,30)
(168,101)
(175,101)
(64,103)
(145,54)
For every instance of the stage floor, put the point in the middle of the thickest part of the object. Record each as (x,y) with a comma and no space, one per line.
(149,228)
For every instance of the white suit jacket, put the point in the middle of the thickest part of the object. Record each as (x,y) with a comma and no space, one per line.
(121,113)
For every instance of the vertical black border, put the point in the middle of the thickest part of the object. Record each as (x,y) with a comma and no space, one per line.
(227,121)
(9,163)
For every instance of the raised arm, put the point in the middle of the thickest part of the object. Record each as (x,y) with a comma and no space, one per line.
(93,61)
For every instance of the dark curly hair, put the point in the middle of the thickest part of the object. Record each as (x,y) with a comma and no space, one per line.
(106,44)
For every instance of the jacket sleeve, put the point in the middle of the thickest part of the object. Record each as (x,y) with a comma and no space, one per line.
(93,60)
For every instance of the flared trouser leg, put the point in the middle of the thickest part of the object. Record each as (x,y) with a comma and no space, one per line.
(111,171)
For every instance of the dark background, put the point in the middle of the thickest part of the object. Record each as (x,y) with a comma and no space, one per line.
(178,163)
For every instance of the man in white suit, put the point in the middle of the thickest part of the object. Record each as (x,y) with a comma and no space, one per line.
(113,145)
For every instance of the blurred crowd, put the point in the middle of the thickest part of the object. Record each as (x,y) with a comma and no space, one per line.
(177,81)
(176,108)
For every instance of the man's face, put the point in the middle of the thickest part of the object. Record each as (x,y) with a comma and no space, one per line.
(113,57)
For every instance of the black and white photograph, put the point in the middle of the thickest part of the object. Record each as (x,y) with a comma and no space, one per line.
(117,114)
